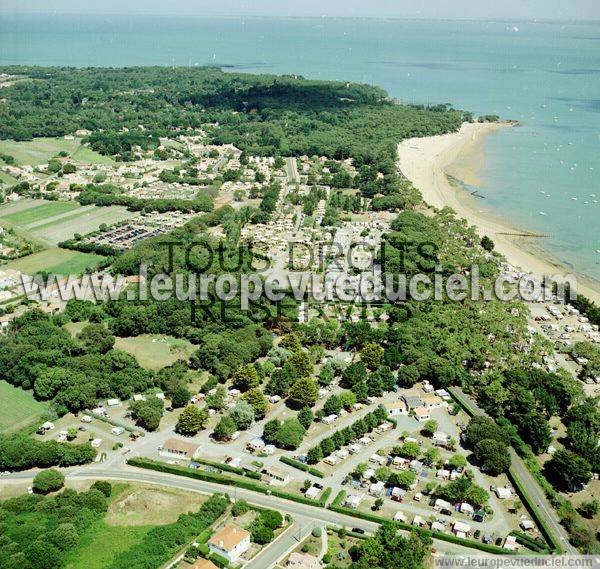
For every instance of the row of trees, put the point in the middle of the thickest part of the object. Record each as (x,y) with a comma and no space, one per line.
(345,436)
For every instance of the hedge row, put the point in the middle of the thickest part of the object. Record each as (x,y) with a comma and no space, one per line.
(325,496)
(229,468)
(219,479)
(529,542)
(423,532)
(301,466)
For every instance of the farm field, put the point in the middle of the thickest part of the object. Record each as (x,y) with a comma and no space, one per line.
(55,260)
(17,407)
(40,150)
(53,222)
(155,352)
(37,210)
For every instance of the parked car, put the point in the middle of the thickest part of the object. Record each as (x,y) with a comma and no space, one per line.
(358,530)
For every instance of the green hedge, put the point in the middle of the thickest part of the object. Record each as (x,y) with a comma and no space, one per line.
(325,496)
(529,542)
(424,532)
(339,498)
(218,560)
(219,479)
(301,466)
(204,536)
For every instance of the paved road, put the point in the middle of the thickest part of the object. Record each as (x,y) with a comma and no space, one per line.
(527,480)
(319,516)
(284,544)
(292,170)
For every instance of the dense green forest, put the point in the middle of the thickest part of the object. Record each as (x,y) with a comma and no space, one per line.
(261,114)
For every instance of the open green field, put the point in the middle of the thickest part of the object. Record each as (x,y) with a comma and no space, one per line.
(55,260)
(155,352)
(38,211)
(99,546)
(17,407)
(53,222)
(7,179)
(40,150)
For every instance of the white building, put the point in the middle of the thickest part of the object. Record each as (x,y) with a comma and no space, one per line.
(231,542)
(396,408)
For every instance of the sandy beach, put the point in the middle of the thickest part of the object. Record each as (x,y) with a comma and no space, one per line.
(432,163)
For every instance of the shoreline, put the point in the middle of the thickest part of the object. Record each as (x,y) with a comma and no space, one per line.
(439,165)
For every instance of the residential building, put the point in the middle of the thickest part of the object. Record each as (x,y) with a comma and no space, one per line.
(421,414)
(398,494)
(412,401)
(354,500)
(231,542)
(503,493)
(275,476)
(461,529)
(433,402)
(396,408)
(176,448)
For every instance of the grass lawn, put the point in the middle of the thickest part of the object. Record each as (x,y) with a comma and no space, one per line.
(38,211)
(17,407)
(155,352)
(102,543)
(54,260)
(40,150)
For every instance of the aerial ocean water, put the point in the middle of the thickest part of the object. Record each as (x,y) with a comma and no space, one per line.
(542,176)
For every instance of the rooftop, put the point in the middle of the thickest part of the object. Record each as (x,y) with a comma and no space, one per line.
(228,537)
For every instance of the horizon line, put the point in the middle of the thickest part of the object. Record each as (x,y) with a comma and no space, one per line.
(490,19)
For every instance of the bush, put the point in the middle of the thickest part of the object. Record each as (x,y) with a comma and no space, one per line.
(49,480)
(261,534)
(317,532)
(103,486)
(271,519)
(240,508)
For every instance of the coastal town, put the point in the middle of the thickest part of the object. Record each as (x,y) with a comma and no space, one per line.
(316,429)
